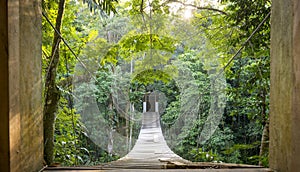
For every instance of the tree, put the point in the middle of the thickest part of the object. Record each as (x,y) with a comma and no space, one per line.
(247,15)
(247,76)
(141,46)
(51,90)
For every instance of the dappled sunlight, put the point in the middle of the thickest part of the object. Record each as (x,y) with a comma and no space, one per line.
(181,50)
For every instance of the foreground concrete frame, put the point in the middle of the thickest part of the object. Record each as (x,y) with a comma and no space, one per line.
(21,125)
(285,86)
(21,130)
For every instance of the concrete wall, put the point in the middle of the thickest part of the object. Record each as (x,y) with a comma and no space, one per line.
(21,86)
(30,70)
(285,86)
(4,106)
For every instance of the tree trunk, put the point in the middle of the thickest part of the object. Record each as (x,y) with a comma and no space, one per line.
(51,91)
(264,142)
(264,145)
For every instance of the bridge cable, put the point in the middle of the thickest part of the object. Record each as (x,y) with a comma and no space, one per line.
(66,43)
(244,44)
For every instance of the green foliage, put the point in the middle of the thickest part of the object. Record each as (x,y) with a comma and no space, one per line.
(247,76)
(72,144)
(150,76)
(172,113)
(248,102)
(156,49)
(143,38)
(137,7)
(106,6)
(134,43)
(198,155)
(103,83)
(246,15)
(67,142)
(71,139)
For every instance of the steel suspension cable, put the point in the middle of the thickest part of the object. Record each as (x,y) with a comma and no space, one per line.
(66,43)
(244,43)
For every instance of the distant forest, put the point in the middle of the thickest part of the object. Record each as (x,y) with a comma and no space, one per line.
(208,60)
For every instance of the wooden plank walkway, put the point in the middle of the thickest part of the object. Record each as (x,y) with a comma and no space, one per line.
(151,145)
(159,170)
(156,170)
(162,166)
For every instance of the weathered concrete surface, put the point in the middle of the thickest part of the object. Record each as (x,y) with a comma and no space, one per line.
(296,96)
(285,86)
(31,115)
(21,90)
(4,107)
(14,84)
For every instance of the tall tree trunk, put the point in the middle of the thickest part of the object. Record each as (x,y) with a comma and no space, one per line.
(264,145)
(51,91)
(264,142)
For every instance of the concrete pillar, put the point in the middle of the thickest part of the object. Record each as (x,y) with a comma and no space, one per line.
(285,86)
(4,106)
(21,129)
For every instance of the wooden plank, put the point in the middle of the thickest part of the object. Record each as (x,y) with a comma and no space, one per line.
(160,166)
(81,169)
